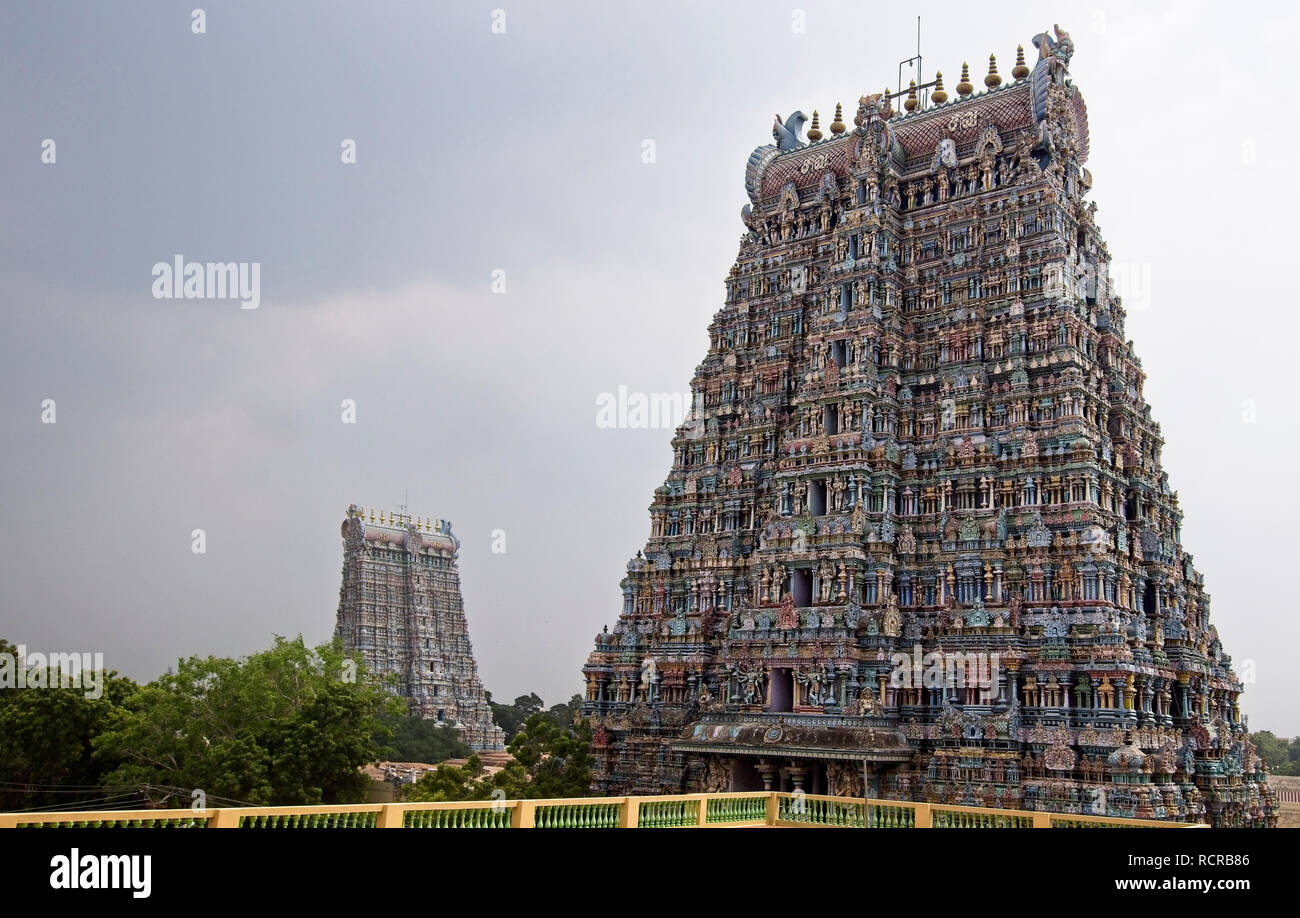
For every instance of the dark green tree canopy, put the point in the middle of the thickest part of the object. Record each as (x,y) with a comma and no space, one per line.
(289,725)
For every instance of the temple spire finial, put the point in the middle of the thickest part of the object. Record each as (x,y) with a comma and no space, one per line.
(965,87)
(939,95)
(1020,71)
(837,126)
(814,132)
(994,79)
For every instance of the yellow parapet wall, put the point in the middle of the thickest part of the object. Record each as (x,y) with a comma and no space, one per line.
(758,808)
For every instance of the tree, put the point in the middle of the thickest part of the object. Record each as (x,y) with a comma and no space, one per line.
(46,737)
(450,782)
(1273,751)
(511,717)
(279,727)
(562,714)
(557,759)
(549,761)
(415,739)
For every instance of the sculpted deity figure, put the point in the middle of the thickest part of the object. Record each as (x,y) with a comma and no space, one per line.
(825,581)
(867,704)
(717,777)
(858,520)
(778,583)
(811,679)
(752,680)
(648,673)
(837,494)
(893,622)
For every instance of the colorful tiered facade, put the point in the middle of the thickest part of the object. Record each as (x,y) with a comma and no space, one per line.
(401,614)
(919,439)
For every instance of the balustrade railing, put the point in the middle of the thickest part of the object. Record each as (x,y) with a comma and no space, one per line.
(750,808)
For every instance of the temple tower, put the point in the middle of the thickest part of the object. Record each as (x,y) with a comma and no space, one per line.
(917,541)
(400,611)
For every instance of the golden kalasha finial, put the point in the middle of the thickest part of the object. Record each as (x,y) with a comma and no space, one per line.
(815,132)
(837,126)
(911,102)
(994,79)
(965,88)
(939,96)
(372,514)
(1020,71)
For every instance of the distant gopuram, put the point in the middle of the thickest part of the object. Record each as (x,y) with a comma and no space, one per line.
(401,613)
(917,542)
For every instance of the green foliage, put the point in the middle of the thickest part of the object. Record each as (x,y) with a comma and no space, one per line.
(415,739)
(511,718)
(550,760)
(276,728)
(451,782)
(557,758)
(281,727)
(562,714)
(45,740)
(1281,754)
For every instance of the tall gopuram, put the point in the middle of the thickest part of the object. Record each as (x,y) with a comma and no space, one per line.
(917,541)
(401,613)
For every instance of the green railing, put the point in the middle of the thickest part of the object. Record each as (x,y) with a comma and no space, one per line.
(597,814)
(478,817)
(668,813)
(342,820)
(727,810)
(754,808)
(821,811)
(960,817)
(885,815)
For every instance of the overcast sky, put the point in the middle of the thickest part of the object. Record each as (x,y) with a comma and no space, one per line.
(521,152)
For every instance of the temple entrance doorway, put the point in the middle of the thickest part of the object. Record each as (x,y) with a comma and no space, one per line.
(810,777)
(744,776)
(782,690)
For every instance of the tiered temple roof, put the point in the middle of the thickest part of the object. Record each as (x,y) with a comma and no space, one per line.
(920,436)
(400,611)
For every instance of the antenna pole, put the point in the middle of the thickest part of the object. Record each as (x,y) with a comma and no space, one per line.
(916,61)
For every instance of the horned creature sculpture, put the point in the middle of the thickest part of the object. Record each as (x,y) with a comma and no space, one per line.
(787,135)
(1055,54)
